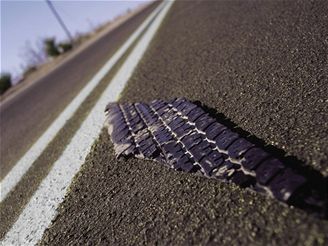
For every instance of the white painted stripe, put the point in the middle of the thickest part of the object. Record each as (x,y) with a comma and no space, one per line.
(38,213)
(26,161)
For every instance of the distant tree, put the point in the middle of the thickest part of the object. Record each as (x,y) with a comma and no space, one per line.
(5,82)
(64,47)
(51,47)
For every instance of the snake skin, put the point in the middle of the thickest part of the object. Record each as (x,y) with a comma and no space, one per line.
(183,136)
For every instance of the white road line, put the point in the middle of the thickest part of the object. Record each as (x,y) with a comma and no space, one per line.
(38,213)
(26,161)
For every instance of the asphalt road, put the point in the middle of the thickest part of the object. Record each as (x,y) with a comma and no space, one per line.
(26,116)
(12,206)
(261,64)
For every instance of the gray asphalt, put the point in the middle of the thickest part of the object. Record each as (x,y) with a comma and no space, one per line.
(25,117)
(262,65)
(16,200)
(136,202)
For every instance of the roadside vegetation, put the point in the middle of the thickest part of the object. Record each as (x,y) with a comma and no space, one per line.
(33,57)
(53,49)
(44,50)
(5,82)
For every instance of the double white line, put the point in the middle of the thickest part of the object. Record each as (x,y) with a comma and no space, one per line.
(41,208)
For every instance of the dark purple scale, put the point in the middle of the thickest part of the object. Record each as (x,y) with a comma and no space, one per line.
(174,149)
(128,108)
(178,103)
(223,171)
(152,120)
(215,156)
(231,165)
(120,127)
(176,123)
(208,164)
(150,151)
(253,157)
(117,136)
(143,137)
(237,148)
(137,127)
(225,139)
(117,121)
(242,179)
(184,105)
(191,140)
(168,117)
(112,107)
(203,122)
(201,150)
(178,154)
(183,163)
(147,141)
(162,110)
(164,137)
(125,150)
(134,124)
(268,169)
(182,130)
(204,145)
(135,120)
(157,104)
(123,141)
(114,114)
(195,114)
(214,130)
(188,107)
(131,113)
(285,184)
(160,131)
(142,108)
(171,148)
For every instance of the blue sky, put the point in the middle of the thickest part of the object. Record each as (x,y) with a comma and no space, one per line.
(30,21)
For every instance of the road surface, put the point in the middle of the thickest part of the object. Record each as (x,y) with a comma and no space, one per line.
(263,66)
(25,117)
(49,106)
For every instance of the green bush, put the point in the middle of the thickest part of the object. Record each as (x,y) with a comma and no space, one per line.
(5,82)
(51,48)
(64,47)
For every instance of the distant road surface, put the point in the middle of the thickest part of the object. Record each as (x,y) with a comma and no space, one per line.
(26,116)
